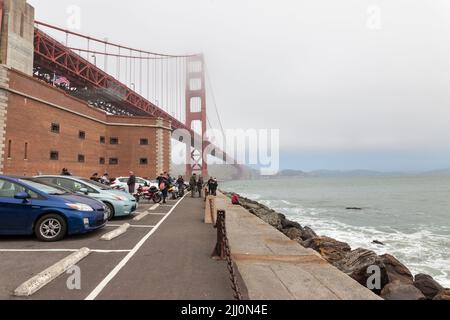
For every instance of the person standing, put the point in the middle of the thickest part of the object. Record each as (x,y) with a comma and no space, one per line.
(200,184)
(210,185)
(180,185)
(105,179)
(214,186)
(65,172)
(159,178)
(164,187)
(193,184)
(95,177)
(131,182)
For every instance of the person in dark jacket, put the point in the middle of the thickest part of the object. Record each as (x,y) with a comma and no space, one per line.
(131,182)
(164,187)
(210,183)
(193,184)
(65,172)
(200,184)
(214,186)
(180,185)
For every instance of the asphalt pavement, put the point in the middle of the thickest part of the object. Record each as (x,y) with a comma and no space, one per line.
(164,256)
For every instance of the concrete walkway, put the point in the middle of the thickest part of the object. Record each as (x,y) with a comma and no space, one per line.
(175,263)
(274,267)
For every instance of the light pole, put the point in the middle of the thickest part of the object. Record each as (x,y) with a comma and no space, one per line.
(95,59)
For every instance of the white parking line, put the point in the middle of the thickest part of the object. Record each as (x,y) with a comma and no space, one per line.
(141,216)
(157,214)
(115,233)
(132,226)
(29,287)
(154,207)
(94,294)
(59,250)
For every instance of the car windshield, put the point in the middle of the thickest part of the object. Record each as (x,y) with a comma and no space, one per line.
(96,184)
(45,187)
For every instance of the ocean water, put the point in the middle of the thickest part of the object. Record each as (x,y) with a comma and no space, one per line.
(410,215)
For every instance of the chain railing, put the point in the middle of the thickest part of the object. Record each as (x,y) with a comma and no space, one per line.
(211,211)
(222,251)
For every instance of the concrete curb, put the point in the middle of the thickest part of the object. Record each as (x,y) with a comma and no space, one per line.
(115,233)
(34,284)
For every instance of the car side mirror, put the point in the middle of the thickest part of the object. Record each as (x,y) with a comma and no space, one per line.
(84,191)
(21,196)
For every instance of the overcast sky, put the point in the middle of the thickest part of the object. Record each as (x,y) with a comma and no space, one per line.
(351,84)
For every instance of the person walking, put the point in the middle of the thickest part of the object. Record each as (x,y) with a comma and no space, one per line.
(131,182)
(200,184)
(193,184)
(95,177)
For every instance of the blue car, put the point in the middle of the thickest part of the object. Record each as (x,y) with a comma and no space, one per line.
(29,206)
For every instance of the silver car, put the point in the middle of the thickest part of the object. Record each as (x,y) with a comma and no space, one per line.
(118,203)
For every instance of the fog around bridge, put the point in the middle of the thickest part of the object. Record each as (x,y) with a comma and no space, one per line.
(351,84)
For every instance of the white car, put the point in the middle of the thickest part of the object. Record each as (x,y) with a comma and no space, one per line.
(121,182)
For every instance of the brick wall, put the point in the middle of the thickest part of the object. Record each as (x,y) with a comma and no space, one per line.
(3,104)
(32,108)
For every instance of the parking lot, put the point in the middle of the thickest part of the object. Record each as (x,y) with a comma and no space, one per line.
(164,254)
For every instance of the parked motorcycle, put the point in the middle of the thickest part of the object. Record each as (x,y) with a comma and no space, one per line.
(148,193)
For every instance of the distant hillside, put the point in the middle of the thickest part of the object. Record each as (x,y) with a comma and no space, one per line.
(335,173)
(439,172)
(221,172)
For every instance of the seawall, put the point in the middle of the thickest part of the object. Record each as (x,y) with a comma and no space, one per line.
(393,279)
(275,267)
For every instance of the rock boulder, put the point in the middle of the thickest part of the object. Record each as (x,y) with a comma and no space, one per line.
(290,224)
(308,233)
(329,248)
(356,264)
(401,291)
(397,271)
(427,285)
(443,295)
(293,233)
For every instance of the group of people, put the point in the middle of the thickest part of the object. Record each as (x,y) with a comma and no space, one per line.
(196,183)
(103,179)
(165,182)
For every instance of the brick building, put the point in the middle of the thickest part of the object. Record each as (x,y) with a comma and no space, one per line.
(43,129)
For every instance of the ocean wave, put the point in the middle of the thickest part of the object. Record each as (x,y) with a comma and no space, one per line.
(421,251)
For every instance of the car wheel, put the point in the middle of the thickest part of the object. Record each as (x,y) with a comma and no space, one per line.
(51,227)
(110,210)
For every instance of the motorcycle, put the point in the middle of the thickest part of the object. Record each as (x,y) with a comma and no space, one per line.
(173,190)
(148,193)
